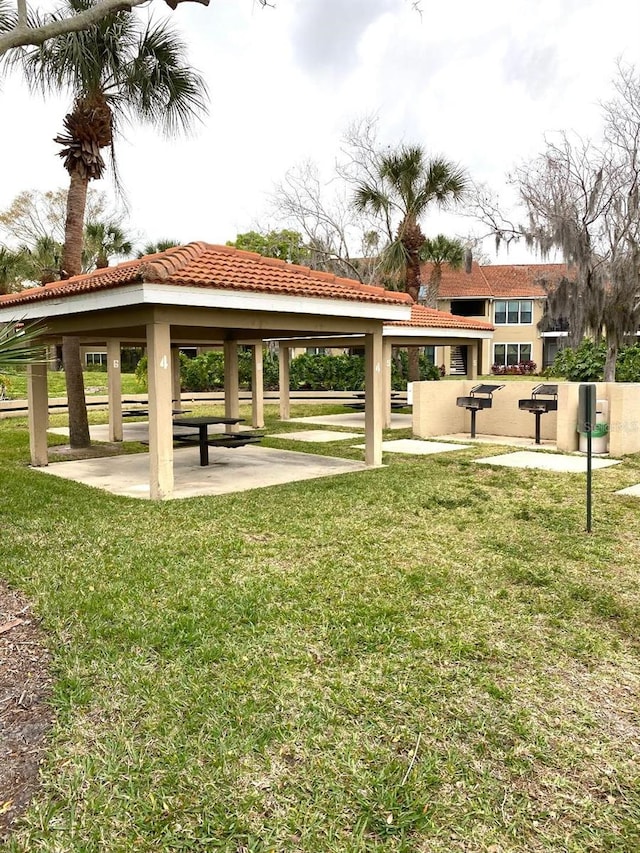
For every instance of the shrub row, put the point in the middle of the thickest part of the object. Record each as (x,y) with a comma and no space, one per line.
(585,363)
(307,372)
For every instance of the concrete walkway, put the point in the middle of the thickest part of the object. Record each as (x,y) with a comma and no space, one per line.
(354,420)
(547,461)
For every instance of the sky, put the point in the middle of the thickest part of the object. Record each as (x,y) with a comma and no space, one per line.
(480,83)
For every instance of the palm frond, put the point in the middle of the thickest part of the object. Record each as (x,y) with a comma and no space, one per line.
(394,258)
(159,86)
(443,250)
(19,345)
(370,198)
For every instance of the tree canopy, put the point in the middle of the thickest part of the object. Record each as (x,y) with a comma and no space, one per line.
(287,245)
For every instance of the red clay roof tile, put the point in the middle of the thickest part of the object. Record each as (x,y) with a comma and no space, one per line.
(421,316)
(214,267)
(500,281)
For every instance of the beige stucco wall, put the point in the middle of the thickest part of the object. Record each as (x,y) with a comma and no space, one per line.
(503,334)
(624,418)
(435,413)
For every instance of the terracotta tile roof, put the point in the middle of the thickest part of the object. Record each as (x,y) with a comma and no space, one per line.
(503,281)
(421,316)
(459,283)
(524,280)
(213,267)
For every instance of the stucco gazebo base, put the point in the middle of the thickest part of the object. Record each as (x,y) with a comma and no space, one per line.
(229,471)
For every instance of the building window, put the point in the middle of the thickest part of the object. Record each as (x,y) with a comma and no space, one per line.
(316,350)
(507,355)
(96,358)
(513,312)
(190,352)
(468,307)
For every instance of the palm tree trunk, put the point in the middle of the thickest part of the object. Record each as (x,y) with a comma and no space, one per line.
(78,421)
(72,265)
(412,287)
(433,290)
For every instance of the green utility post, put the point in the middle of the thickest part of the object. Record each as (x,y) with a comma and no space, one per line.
(586,423)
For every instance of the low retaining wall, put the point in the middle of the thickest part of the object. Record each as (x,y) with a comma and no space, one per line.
(435,412)
(9,408)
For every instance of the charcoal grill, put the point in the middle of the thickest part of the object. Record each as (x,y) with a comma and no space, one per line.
(544,398)
(473,403)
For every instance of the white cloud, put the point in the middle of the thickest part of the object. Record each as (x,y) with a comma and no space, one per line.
(478,82)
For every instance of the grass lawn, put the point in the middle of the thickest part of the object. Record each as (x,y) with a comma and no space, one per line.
(432,657)
(95,382)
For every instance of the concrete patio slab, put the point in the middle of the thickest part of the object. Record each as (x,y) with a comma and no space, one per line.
(631,491)
(417,446)
(546,461)
(317,435)
(235,470)
(354,420)
(505,440)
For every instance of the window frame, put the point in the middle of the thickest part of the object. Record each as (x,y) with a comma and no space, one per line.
(103,362)
(518,345)
(507,303)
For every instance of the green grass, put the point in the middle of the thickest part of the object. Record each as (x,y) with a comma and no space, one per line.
(95,382)
(432,656)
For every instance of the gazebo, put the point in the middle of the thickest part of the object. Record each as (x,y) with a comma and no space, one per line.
(201,295)
(425,327)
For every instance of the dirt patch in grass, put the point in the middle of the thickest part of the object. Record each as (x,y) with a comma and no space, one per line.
(25,713)
(64,453)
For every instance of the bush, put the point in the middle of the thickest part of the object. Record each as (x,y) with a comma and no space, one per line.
(307,372)
(628,364)
(523,368)
(583,364)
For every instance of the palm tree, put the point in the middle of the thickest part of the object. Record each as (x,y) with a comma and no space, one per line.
(405,186)
(19,345)
(159,246)
(439,251)
(12,270)
(104,240)
(117,72)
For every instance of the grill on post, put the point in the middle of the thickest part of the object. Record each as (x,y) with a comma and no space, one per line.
(544,398)
(473,403)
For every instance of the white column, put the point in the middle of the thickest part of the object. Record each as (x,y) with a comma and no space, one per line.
(472,361)
(257,387)
(160,408)
(231,384)
(386,381)
(114,389)
(175,378)
(373,399)
(38,401)
(285,397)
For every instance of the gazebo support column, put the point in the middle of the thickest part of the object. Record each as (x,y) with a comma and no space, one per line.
(38,413)
(257,387)
(285,397)
(114,390)
(175,378)
(373,413)
(160,409)
(231,384)
(386,381)
(472,360)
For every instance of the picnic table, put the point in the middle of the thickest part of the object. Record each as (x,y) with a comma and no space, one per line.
(205,441)
(359,404)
